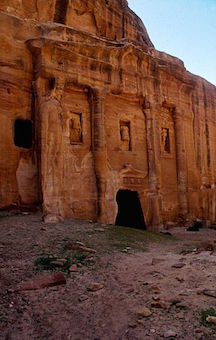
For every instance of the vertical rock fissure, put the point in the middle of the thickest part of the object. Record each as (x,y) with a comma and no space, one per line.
(207,128)
(60,11)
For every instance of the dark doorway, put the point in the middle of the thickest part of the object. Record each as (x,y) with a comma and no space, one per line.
(23,133)
(129,210)
(60,11)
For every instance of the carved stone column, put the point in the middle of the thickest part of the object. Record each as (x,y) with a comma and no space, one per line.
(99,149)
(49,111)
(181,162)
(153,170)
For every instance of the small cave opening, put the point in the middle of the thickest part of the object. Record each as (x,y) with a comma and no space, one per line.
(60,11)
(130,212)
(23,133)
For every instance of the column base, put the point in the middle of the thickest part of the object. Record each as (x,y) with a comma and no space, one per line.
(52,219)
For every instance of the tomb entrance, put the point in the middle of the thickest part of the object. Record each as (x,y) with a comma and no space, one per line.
(129,210)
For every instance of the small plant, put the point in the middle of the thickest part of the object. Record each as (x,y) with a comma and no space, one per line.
(204,314)
(44,262)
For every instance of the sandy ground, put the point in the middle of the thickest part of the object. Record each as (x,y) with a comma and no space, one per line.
(135,270)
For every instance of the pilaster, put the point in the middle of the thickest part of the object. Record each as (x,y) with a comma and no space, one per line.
(153,169)
(99,149)
(178,118)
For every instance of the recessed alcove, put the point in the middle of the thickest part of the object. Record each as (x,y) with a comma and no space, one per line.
(23,133)
(129,210)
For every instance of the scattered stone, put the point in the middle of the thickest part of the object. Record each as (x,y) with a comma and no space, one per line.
(155,297)
(170,334)
(152,330)
(83,298)
(42,281)
(80,243)
(142,322)
(130,290)
(159,304)
(181,305)
(100,230)
(88,250)
(209,292)
(58,263)
(73,268)
(146,283)
(80,247)
(90,258)
(211,319)
(186,252)
(174,301)
(180,315)
(167,233)
(205,246)
(52,219)
(197,224)
(132,325)
(95,286)
(179,265)
(156,261)
(182,259)
(155,289)
(144,312)
(180,279)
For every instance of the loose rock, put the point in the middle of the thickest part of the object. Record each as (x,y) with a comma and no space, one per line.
(80,247)
(155,289)
(132,325)
(211,319)
(83,298)
(58,263)
(156,261)
(159,304)
(42,281)
(94,286)
(73,268)
(144,312)
(179,265)
(180,279)
(209,292)
(170,334)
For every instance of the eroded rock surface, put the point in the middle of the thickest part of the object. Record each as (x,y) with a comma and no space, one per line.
(89,107)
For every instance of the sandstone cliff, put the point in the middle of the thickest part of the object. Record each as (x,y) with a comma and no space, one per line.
(107,112)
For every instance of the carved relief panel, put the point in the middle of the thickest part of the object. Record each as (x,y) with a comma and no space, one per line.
(131,177)
(125,136)
(165,140)
(167,134)
(75,128)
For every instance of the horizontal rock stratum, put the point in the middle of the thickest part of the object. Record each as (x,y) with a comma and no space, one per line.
(96,123)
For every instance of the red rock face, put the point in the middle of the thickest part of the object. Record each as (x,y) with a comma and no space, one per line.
(89,107)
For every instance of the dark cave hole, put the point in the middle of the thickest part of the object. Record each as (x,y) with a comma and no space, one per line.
(23,133)
(129,210)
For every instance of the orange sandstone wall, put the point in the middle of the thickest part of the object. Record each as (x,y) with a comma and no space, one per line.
(108,112)
(18,166)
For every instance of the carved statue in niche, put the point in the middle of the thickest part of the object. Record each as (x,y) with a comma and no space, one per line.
(75,128)
(165,140)
(125,136)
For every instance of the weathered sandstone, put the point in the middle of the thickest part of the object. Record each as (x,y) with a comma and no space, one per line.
(89,107)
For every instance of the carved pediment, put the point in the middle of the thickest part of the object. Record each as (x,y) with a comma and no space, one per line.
(132,177)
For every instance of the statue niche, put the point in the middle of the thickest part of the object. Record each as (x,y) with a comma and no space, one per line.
(75,125)
(165,140)
(125,136)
